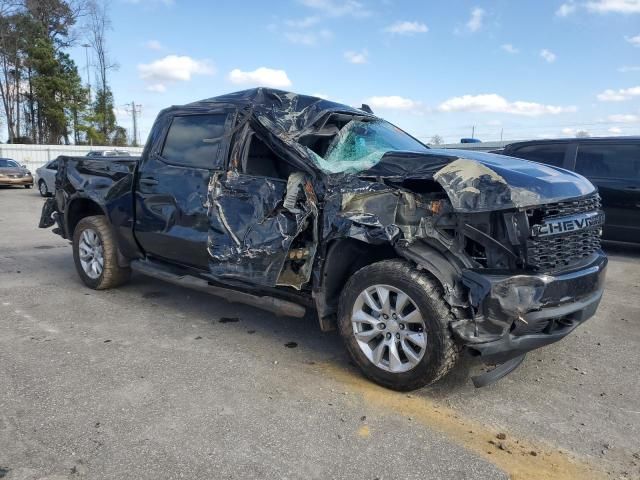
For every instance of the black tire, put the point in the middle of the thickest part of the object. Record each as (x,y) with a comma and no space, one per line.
(112,274)
(28,186)
(42,185)
(441,352)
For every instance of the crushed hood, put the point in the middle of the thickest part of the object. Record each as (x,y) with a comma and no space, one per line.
(476,181)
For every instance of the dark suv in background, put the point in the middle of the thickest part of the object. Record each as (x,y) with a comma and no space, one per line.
(612,164)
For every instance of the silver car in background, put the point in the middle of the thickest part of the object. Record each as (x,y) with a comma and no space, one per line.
(46,178)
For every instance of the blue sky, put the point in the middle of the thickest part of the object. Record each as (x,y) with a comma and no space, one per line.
(526,68)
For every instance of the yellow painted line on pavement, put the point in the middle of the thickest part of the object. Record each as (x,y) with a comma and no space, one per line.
(520,458)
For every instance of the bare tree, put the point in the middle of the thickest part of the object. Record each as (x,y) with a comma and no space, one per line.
(436,140)
(582,134)
(98,25)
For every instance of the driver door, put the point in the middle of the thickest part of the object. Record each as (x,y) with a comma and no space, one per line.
(261,213)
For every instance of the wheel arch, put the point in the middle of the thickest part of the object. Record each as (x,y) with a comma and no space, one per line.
(79,208)
(343,257)
(446,271)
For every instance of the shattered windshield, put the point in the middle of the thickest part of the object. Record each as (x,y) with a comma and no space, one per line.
(361,144)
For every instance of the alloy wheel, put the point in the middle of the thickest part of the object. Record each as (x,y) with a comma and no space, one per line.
(91,253)
(389,328)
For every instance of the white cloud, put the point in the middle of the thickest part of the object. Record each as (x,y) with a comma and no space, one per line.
(566,9)
(171,69)
(477,17)
(150,2)
(305,22)
(492,102)
(615,130)
(573,132)
(333,8)
(153,45)
(263,76)
(357,57)
(629,68)
(635,41)
(392,102)
(309,39)
(620,95)
(624,118)
(406,28)
(614,6)
(548,55)
(507,47)
(156,87)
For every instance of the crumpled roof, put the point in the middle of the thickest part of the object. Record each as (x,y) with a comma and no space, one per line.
(288,112)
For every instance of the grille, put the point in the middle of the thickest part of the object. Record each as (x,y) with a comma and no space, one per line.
(563,250)
(571,207)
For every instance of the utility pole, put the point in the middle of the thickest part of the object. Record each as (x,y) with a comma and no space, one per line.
(501,131)
(134,110)
(86,52)
(473,131)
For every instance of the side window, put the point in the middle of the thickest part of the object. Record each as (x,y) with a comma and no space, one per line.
(609,161)
(53,165)
(261,161)
(195,141)
(549,154)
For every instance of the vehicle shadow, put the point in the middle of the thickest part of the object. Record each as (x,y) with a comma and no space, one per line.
(318,347)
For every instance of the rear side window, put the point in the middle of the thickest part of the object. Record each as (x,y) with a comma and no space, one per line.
(53,165)
(550,154)
(609,161)
(195,141)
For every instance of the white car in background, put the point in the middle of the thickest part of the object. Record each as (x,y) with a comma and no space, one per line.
(46,178)
(46,175)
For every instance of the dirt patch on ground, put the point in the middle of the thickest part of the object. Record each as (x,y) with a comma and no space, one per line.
(520,458)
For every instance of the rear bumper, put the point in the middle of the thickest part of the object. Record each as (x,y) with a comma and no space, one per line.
(517,314)
(17,181)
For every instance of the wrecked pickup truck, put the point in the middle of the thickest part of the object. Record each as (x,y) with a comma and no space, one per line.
(293,203)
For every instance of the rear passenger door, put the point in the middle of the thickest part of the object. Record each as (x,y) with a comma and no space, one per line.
(172,184)
(615,169)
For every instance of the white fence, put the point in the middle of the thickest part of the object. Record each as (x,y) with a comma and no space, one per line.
(34,156)
(481,147)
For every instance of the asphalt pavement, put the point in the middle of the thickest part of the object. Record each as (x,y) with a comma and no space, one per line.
(153,381)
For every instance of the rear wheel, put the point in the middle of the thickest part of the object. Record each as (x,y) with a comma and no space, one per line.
(395,325)
(28,186)
(95,254)
(42,187)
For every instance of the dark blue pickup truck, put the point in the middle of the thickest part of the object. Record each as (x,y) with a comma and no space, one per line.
(294,203)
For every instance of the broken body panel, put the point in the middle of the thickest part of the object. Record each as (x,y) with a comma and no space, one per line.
(471,220)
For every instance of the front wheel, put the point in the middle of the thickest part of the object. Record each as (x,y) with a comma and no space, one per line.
(395,324)
(95,254)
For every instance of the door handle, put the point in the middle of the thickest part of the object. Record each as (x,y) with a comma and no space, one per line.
(148,181)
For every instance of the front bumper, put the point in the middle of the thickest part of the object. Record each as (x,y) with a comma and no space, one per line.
(20,181)
(519,313)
